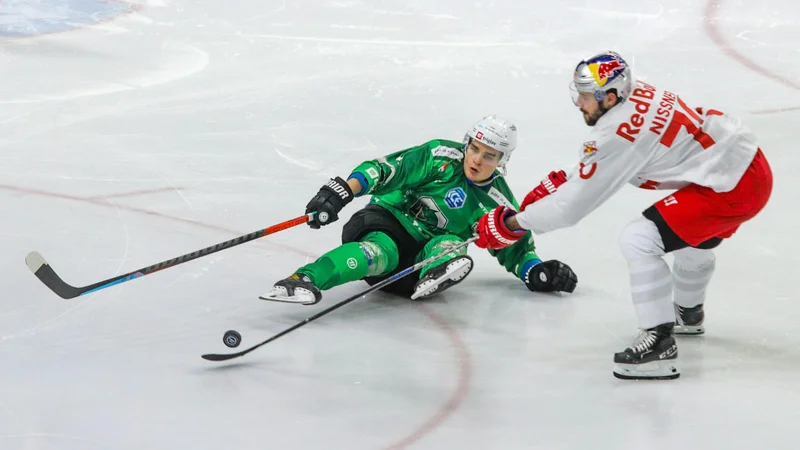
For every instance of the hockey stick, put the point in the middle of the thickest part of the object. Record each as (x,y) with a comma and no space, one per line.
(375,287)
(37,264)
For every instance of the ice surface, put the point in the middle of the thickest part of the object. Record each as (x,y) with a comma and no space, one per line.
(181,124)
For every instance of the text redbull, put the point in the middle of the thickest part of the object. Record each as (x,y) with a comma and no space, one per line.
(642,98)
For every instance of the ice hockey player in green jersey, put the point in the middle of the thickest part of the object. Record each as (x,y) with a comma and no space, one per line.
(425,200)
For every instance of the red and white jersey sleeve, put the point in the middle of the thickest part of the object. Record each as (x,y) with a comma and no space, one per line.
(653,140)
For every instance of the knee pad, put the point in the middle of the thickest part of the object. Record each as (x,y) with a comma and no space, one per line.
(694,259)
(641,239)
(381,252)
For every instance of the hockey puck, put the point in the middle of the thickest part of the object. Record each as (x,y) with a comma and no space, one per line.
(232,338)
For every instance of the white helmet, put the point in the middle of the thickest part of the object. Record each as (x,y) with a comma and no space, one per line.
(601,73)
(498,133)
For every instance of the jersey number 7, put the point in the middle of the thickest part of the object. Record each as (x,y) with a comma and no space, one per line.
(687,118)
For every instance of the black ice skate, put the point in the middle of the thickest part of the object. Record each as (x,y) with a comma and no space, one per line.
(689,320)
(298,288)
(652,356)
(443,276)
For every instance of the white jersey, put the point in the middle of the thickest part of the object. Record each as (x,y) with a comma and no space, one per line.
(654,141)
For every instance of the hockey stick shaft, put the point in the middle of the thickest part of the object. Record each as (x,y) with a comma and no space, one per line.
(37,264)
(373,288)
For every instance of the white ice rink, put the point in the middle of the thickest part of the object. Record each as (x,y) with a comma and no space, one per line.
(180,124)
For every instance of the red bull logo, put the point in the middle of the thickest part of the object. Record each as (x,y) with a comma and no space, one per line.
(604,70)
(589,148)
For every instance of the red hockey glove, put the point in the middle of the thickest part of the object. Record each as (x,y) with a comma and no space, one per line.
(545,188)
(492,230)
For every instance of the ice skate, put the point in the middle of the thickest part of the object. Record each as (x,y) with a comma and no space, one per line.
(442,277)
(652,356)
(298,288)
(689,321)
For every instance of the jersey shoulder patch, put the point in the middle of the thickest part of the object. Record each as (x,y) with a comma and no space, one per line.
(443,148)
(447,152)
(588,151)
(501,199)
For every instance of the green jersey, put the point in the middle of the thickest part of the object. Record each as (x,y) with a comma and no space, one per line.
(427,191)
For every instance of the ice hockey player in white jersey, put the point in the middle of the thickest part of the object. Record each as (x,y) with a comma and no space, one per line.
(653,139)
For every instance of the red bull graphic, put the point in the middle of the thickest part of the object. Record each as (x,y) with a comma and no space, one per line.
(602,71)
(589,148)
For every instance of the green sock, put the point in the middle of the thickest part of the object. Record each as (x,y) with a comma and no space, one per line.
(375,255)
(339,266)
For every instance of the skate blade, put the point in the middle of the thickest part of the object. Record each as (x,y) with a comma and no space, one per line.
(282,299)
(689,330)
(456,271)
(654,370)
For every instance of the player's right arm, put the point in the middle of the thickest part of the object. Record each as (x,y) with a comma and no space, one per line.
(592,182)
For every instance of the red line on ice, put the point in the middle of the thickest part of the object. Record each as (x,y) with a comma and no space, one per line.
(458,395)
(105,204)
(135,193)
(776,110)
(710,24)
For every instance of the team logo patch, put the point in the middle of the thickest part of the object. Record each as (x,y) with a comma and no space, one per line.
(589,148)
(455,198)
(352,263)
(605,69)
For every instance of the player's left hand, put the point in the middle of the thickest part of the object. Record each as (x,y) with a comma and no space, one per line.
(551,276)
(493,232)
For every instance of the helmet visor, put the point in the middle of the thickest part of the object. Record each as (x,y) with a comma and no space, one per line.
(578,96)
(573,92)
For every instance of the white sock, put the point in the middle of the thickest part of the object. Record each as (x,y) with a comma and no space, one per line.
(650,277)
(691,272)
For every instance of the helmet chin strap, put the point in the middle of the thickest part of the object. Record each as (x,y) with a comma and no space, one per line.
(502,170)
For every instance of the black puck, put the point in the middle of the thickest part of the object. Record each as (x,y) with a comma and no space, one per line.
(232,338)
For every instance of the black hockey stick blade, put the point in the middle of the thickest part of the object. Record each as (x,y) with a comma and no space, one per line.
(37,264)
